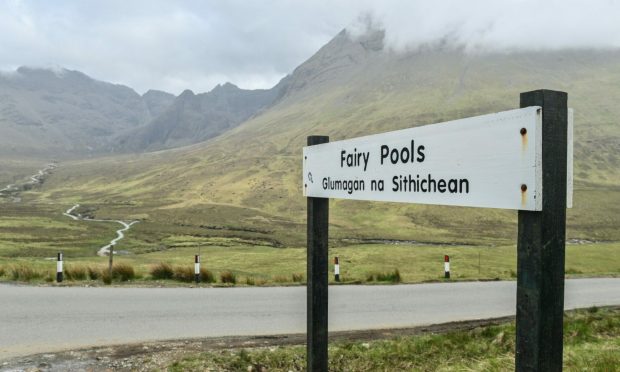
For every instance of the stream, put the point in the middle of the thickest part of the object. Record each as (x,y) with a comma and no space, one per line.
(120,233)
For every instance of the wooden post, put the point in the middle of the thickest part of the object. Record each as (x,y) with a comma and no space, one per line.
(317,273)
(541,245)
(111,260)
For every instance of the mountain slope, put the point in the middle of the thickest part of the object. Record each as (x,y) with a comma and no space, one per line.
(354,87)
(194,118)
(60,112)
(157,102)
(66,114)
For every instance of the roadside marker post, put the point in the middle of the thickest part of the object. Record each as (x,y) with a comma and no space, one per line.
(446,267)
(517,159)
(336,269)
(59,268)
(197,268)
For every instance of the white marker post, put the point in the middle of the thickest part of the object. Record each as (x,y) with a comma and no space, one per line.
(197,268)
(446,266)
(59,268)
(336,269)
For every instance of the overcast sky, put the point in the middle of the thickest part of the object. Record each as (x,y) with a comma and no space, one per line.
(176,45)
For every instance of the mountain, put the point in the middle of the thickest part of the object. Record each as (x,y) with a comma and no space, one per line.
(66,114)
(157,102)
(249,177)
(59,112)
(193,118)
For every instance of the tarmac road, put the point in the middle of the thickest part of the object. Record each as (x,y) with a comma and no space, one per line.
(48,319)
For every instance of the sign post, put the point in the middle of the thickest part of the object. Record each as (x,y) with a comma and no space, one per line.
(541,246)
(517,159)
(317,261)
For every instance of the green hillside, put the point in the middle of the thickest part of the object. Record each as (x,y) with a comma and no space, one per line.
(247,182)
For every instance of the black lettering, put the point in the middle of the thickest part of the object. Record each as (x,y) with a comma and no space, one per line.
(421,155)
(404,158)
(342,158)
(441,185)
(384,152)
(394,156)
(432,184)
(452,186)
(466,182)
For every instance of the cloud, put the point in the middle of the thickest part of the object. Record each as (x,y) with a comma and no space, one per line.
(177,45)
(498,25)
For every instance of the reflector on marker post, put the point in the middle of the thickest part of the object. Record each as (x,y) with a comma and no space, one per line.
(446,266)
(197,268)
(59,268)
(336,269)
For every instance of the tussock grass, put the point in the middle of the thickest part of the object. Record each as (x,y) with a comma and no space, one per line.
(162,271)
(105,276)
(123,272)
(249,280)
(25,273)
(390,276)
(280,279)
(228,277)
(2,271)
(298,278)
(591,343)
(206,276)
(72,272)
(184,274)
(94,273)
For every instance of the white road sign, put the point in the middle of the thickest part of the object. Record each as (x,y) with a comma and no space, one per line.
(489,161)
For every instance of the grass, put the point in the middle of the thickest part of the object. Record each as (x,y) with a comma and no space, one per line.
(162,271)
(228,277)
(123,272)
(75,272)
(206,276)
(358,262)
(391,277)
(591,343)
(25,273)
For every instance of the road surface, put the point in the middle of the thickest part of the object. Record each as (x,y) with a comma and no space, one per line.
(47,319)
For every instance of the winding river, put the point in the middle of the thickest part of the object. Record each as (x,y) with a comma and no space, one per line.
(36,179)
(120,233)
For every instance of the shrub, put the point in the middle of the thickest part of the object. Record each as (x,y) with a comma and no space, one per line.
(94,273)
(184,274)
(392,277)
(162,271)
(228,277)
(298,278)
(123,272)
(75,272)
(24,273)
(50,278)
(105,276)
(206,276)
(280,279)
